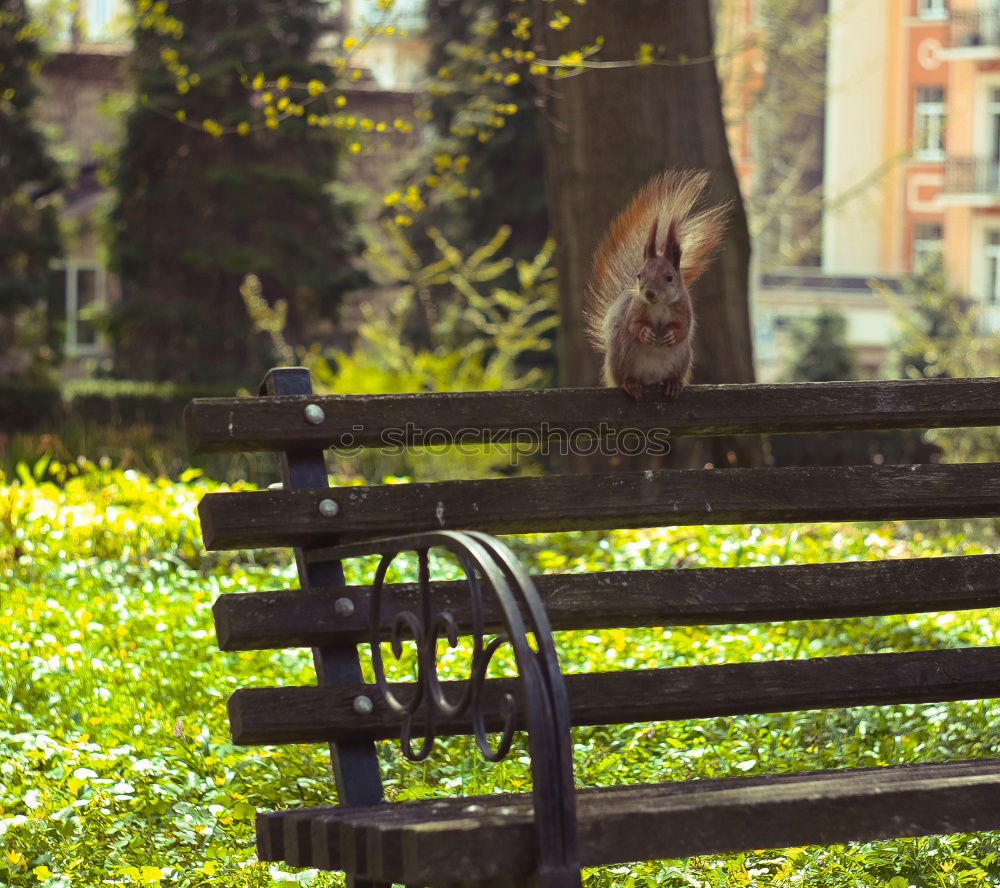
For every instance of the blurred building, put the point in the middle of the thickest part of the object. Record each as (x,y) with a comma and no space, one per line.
(79,82)
(910,167)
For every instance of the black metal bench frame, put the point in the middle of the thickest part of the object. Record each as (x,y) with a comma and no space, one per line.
(544,837)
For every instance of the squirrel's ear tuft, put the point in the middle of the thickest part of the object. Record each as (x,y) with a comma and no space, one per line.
(673,247)
(650,251)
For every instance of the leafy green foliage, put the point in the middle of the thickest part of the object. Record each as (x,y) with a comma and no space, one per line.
(199,208)
(483,337)
(29,232)
(819,349)
(115,767)
(941,336)
(482,168)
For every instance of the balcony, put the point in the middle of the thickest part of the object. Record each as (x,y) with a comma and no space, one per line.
(971,182)
(973,34)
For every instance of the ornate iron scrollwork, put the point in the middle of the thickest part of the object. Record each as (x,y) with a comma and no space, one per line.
(541,706)
(428,701)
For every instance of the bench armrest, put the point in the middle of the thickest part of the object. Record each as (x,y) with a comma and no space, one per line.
(490,569)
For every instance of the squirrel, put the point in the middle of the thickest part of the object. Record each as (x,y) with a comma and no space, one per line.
(638,307)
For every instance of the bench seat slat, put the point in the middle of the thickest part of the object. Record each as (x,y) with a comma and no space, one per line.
(318,714)
(670,497)
(490,836)
(243,424)
(624,599)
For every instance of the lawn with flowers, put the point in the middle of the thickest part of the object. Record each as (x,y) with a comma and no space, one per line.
(115,763)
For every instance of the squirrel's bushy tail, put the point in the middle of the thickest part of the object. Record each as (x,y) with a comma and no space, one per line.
(671,195)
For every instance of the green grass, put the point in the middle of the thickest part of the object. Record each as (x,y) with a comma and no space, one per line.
(115,764)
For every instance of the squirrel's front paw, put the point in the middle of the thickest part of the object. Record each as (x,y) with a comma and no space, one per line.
(632,388)
(669,337)
(647,336)
(672,387)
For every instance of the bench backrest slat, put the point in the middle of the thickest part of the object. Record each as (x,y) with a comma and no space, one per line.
(599,502)
(623,599)
(242,424)
(316,714)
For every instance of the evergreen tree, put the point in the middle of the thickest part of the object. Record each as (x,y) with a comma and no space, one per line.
(199,208)
(820,352)
(29,232)
(937,328)
(941,336)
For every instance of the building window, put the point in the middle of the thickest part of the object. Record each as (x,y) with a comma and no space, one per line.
(100,21)
(992,254)
(79,291)
(408,14)
(932,9)
(928,128)
(927,247)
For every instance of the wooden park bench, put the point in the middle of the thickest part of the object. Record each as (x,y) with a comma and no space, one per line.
(543,837)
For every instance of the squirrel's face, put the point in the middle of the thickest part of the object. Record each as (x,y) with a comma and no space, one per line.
(659,281)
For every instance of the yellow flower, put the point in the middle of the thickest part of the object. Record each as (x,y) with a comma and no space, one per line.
(315,87)
(284,81)
(350,42)
(258,82)
(340,101)
(243,128)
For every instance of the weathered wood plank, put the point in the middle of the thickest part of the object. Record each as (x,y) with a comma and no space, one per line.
(368,843)
(316,714)
(775,813)
(624,599)
(491,837)
(242,424)
(580,502)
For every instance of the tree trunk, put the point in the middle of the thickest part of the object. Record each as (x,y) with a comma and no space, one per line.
(606,132)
